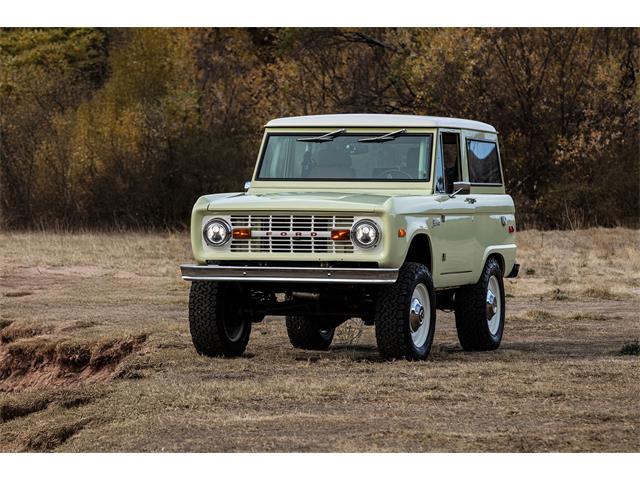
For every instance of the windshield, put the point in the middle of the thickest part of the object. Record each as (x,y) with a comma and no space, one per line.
(340,156)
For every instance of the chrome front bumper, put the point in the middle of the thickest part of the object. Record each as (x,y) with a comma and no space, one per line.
(289,274)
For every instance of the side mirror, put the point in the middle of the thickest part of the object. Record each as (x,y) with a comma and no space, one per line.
(462,188)
(247,185)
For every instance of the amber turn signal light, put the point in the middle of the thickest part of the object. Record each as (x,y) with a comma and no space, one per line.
(402,233)
(241,233)
(340,234)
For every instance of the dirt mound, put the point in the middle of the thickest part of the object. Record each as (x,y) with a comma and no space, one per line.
(12,331)
(22,404)
(40,361)
(11,410)
(51,437)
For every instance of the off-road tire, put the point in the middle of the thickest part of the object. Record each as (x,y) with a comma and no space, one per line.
(470,311)
(393,332)
(210,304)
(304,333)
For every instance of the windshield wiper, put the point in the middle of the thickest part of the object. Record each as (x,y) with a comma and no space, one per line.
(383,138)
(327,137)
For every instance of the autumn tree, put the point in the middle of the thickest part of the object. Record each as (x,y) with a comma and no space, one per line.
(102,127)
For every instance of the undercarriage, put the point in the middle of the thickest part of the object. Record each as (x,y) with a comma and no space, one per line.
(329,305)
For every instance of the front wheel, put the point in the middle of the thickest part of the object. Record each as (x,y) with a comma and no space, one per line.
(405,318)
(480,310)
(216,329)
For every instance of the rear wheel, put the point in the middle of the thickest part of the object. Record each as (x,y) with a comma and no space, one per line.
(305,333)
(480,310)
(406,315)
(216,329)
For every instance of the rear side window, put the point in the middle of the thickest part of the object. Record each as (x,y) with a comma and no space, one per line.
(482,157)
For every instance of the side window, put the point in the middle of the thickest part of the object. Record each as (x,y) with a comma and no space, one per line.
(482,157)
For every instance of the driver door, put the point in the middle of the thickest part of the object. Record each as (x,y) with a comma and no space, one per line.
(454,232)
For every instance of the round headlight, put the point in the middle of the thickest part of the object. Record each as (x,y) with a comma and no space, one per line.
(365,234)
(216,232)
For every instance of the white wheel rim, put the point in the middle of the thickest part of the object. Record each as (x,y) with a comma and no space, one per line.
(494,305)
(419,315)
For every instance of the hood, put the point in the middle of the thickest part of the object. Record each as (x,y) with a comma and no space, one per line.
(302,201)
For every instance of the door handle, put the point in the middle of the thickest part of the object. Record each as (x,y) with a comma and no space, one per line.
(470,200)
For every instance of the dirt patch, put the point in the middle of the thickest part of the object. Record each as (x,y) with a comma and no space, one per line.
(85,271)
(41,361)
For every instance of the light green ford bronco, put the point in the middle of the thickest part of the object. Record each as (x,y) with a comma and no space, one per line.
(378,217)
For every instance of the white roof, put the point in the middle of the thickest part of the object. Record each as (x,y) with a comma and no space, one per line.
(379,120)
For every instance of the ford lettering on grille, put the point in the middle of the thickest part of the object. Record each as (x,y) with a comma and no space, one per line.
(286,234)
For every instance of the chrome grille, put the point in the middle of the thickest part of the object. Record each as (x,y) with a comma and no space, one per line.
(291,223)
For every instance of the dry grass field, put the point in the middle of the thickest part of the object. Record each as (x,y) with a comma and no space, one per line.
(95,355)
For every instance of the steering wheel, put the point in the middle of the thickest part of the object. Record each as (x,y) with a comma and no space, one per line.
(392,171)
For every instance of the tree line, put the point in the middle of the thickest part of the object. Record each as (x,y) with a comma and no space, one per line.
(127,127)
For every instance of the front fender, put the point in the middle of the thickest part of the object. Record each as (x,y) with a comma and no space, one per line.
(398,247)
(199,210)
